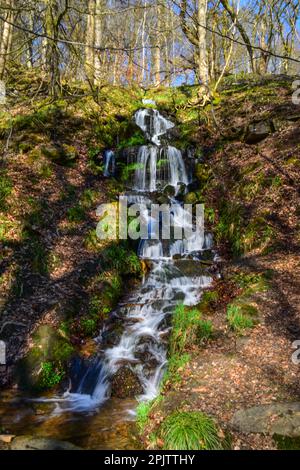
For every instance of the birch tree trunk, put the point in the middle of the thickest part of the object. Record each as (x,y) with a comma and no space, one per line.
(156,54)
(6,39)
(90,41)
(98,40)
(203,73)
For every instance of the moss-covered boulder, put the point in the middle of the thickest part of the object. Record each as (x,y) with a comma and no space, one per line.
(203,173)
(191,198)
(45,364)
(61,154)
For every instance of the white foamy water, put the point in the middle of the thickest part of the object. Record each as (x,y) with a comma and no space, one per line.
(142,345)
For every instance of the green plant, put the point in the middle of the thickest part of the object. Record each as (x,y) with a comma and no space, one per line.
(175,364)
(204,330)
(50,375)
(209,297)
(184,326)
(229,226)
(210,214)
(88,198)
(134,140)
(238,322)
(76,213)
(45,171)
(190,430)
(89,326)
(142,414)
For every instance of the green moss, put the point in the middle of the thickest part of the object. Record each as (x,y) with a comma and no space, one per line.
(208,300)
(229,226)
(203,173)
(62,154)
(45,364)
(191,198)
(45,171)
(89,326)
(136,139)
(5,189)
(76,213)
(241,235)
(286,442)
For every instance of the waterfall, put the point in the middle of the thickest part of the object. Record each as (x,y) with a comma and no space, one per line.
(157,165)
(109,163)
(142,345)
(153,124)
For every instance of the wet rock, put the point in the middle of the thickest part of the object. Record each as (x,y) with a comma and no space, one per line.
(181,190)
(163,199)
(112,335)
(169,190)
(125,384)
(40,443)
(193,186)
(258,131)
(276,418)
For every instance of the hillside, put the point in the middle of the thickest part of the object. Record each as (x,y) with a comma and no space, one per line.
(59,283)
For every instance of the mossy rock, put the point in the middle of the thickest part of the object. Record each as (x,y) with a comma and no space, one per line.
(61,154)
(44,365)
(203,173)
(191,198)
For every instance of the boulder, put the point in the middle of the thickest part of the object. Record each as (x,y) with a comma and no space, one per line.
(276,418)
(191,198)
(180,191)
(258,131)
(125,384)
(40,443)
(169,190)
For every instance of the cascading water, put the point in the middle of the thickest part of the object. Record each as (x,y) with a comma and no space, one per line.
(142,346)
(109,163)
(175,276)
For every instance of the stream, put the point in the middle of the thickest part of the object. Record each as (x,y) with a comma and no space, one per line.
(87,415)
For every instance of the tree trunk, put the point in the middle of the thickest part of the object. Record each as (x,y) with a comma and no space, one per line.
(6,39)
(90,41)
(52,57)
(157,56)
(230,10)
(203,74)
(98,41)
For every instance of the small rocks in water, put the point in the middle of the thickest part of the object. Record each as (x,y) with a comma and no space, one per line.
(125,384)
(40,443)
(7,438)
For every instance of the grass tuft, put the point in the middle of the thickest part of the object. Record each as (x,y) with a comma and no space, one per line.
(193,430)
